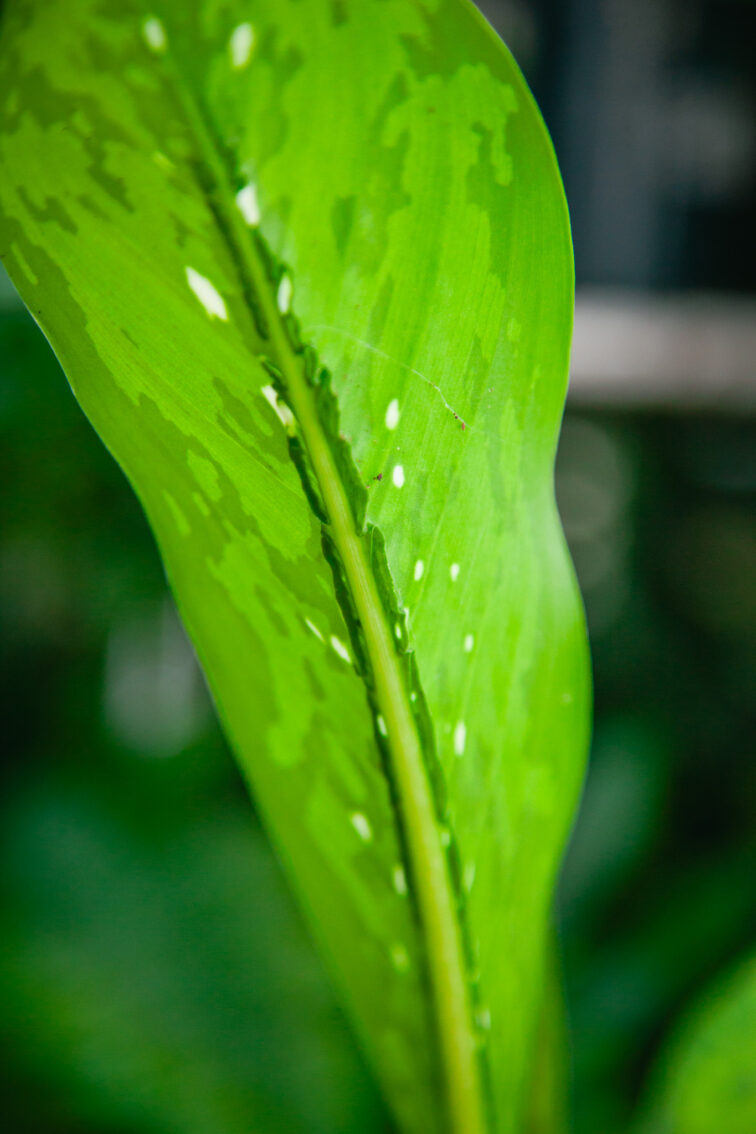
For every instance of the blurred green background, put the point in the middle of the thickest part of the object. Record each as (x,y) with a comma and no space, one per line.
(156,978)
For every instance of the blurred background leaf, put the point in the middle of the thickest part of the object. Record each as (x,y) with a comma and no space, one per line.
(707,1077)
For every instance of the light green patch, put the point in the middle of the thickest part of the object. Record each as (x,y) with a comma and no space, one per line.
(182,524)
(206,475)
(23,264)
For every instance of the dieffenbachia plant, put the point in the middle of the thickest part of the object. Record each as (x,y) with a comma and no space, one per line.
(307,266)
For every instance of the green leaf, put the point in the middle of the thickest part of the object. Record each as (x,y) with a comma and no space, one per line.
(378,589)
(547,1110)
(706,1077)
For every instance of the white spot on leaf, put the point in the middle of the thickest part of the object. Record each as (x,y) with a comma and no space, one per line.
(340,648)
(283,296)
(361,825)
(460,737)
(399,878)
(454,572)
(398,476)
(392,414)
(283,413)
(154,35)
(240,45)
(313,627)
(419,569)
(380,722)
(483,1019)
(207,294)
(469,643)
(246,203)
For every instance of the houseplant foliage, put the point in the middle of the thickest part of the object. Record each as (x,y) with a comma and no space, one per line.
(705,1075)
(307,267)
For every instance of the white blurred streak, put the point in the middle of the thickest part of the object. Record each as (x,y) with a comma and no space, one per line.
(640,351)
(154,699)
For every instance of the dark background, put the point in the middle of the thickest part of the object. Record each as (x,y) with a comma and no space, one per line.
(156,978)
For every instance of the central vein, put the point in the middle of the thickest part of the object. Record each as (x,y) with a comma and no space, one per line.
(429,870)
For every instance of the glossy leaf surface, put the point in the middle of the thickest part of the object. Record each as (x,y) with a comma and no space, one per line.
(382,601)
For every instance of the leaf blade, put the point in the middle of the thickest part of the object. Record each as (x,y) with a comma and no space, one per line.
(217,448)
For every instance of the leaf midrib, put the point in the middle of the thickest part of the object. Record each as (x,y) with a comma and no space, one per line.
(428,867)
